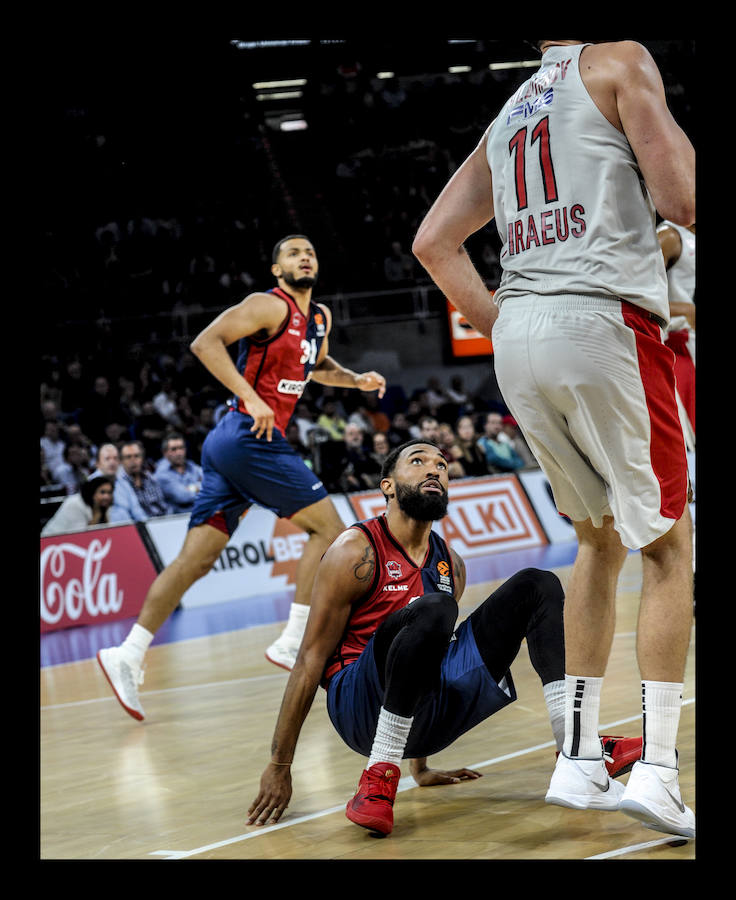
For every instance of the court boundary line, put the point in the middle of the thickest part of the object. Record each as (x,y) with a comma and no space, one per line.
(408,783)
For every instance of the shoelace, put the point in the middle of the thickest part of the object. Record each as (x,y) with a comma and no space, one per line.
(374,785)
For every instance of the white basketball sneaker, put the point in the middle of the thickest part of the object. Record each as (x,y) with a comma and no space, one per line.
(124,678)
(653,797)
(283,653)
(583,784)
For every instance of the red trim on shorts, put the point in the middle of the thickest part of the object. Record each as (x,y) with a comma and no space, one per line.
(684,370)
(218,521)
(667,444)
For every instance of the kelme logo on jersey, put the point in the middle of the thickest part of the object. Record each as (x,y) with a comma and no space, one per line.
(285,386)
(393,569)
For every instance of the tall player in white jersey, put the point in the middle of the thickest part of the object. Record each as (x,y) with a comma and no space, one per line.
(572,169)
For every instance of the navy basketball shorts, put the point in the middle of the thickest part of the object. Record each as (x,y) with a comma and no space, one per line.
(240,470)
(466,696)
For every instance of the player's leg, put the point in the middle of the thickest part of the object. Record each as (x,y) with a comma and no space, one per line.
(323,524)
(123,665)
(528,606)
(408,648)
(580,779)
(202,547)
(663,638)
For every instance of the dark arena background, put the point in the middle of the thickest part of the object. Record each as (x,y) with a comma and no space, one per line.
(167,170)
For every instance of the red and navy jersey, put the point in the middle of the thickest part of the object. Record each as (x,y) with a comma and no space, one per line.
(277,368)
(397,580)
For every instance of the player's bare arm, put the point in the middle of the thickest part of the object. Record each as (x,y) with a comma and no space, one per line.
(624,81)
(344,575)
(257,314)
(330,372)
(464,206)
(670,243)
(458,571)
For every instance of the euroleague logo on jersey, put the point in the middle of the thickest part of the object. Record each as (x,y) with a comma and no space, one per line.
(319,321)
(443,570)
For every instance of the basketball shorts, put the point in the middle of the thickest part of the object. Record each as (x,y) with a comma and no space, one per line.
(240,470)
(466,695)
(592,387)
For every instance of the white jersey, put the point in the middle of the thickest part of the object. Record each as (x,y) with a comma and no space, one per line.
(571,206)
(681,274)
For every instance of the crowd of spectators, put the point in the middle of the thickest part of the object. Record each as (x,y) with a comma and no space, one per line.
(146,434)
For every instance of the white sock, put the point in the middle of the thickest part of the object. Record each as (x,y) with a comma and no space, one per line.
(661,703)
(582,710)
(137,642)
(554,697)
(296,623)
(392,733)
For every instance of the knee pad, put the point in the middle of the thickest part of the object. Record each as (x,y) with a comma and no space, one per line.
(436,612)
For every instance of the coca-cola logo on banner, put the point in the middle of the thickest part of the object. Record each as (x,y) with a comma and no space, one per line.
(96,591)
(88,578)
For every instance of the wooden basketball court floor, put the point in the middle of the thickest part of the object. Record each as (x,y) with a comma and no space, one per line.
(178,785)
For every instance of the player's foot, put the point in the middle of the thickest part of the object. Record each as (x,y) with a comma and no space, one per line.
(372,805)
(653,797)
(583,784)
(282,653)
(620,753)
(124,678)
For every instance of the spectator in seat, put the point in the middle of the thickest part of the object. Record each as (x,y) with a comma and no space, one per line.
(180,479)
(500,455)
(107,461)
(466,448)
(75,469)
(89,506)
(138,496)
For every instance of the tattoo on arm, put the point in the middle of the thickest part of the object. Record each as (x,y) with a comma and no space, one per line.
(364,570)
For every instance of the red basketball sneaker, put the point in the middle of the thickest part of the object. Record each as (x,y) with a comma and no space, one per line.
(620,753)
(372,805)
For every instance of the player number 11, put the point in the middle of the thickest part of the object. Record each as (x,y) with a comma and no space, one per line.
(517,148)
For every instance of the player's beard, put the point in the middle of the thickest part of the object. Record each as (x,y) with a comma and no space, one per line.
(419,505)
(304,281)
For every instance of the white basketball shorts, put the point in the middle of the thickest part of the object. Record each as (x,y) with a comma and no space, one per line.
(592,387)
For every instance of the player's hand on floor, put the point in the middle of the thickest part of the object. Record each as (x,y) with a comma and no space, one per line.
(273,796)
(427,777)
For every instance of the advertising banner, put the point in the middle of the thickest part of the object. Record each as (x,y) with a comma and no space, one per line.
(464,339)
(260,558)
(485,515)
(94,576)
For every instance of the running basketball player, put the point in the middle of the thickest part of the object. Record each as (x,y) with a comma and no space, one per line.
(572,169)
(401,680)
(246,459)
